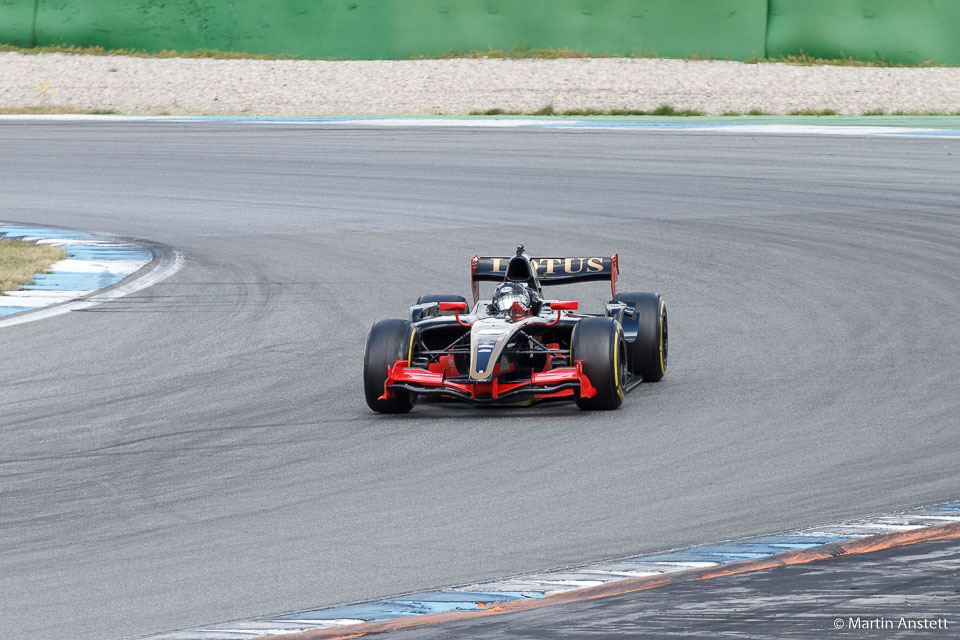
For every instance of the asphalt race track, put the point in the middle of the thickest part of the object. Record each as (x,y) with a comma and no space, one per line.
(200,451)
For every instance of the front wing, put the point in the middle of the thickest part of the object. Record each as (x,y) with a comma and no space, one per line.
(556,384)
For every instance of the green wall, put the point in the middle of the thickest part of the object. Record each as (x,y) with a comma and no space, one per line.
(903,31)
(895,30)
(406,28)
(669,28)
(16,22)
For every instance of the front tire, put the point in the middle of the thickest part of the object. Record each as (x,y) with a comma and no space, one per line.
(598,343)
(387,342)
(648,351)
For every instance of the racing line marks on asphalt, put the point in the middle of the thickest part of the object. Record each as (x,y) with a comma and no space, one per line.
(598,579)
(94,262)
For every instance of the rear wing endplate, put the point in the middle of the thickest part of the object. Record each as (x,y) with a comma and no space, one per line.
(550,271)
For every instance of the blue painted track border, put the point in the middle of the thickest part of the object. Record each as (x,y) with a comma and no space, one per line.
(479,596)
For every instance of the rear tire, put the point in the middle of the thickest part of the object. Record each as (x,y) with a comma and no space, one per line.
(648,352)
(387,342)
(441,297)
(599,344)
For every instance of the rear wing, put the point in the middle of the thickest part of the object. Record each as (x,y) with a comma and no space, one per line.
(550,271)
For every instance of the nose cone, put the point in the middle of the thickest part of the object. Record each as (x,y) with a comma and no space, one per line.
(488,337)
(481,367)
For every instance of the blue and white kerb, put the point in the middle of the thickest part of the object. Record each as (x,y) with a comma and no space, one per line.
(92,263)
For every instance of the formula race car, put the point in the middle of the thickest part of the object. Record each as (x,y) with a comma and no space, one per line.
(518,347)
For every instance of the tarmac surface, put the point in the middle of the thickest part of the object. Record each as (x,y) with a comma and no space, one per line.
(200,451)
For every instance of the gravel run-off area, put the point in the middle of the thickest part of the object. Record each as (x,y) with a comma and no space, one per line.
(136,85)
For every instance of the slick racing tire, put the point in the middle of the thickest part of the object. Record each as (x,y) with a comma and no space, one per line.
(387,342)
(441,297)
(598,343)
(648,352)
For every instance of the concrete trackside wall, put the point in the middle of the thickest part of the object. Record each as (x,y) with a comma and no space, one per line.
(16,22)
(899,31)
(394,29)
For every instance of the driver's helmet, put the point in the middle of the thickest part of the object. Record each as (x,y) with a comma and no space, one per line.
(513,299)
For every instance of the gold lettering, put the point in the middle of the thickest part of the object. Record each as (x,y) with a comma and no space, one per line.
(568,265)
(550,263)
(496,264)
(594,264)
(535,266)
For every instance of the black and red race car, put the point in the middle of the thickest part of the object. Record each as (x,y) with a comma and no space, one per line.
(518,347)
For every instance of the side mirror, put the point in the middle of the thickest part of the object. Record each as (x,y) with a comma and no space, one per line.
(561,305)
(456,307)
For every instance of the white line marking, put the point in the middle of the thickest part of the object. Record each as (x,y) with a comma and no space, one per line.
(8,301)
(48,297)
(836,130)
(86,243)
(333,622)
(626,574)
(667,125)
(72,265)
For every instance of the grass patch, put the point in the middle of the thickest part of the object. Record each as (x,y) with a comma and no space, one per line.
(525,53)
(584,112)
(667,110)
(20,261)
(55,110)
(924,113)
(516,53)
(143,53)
(752,112)
(496,112)
(809,61)
(549,110)
(814,112)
